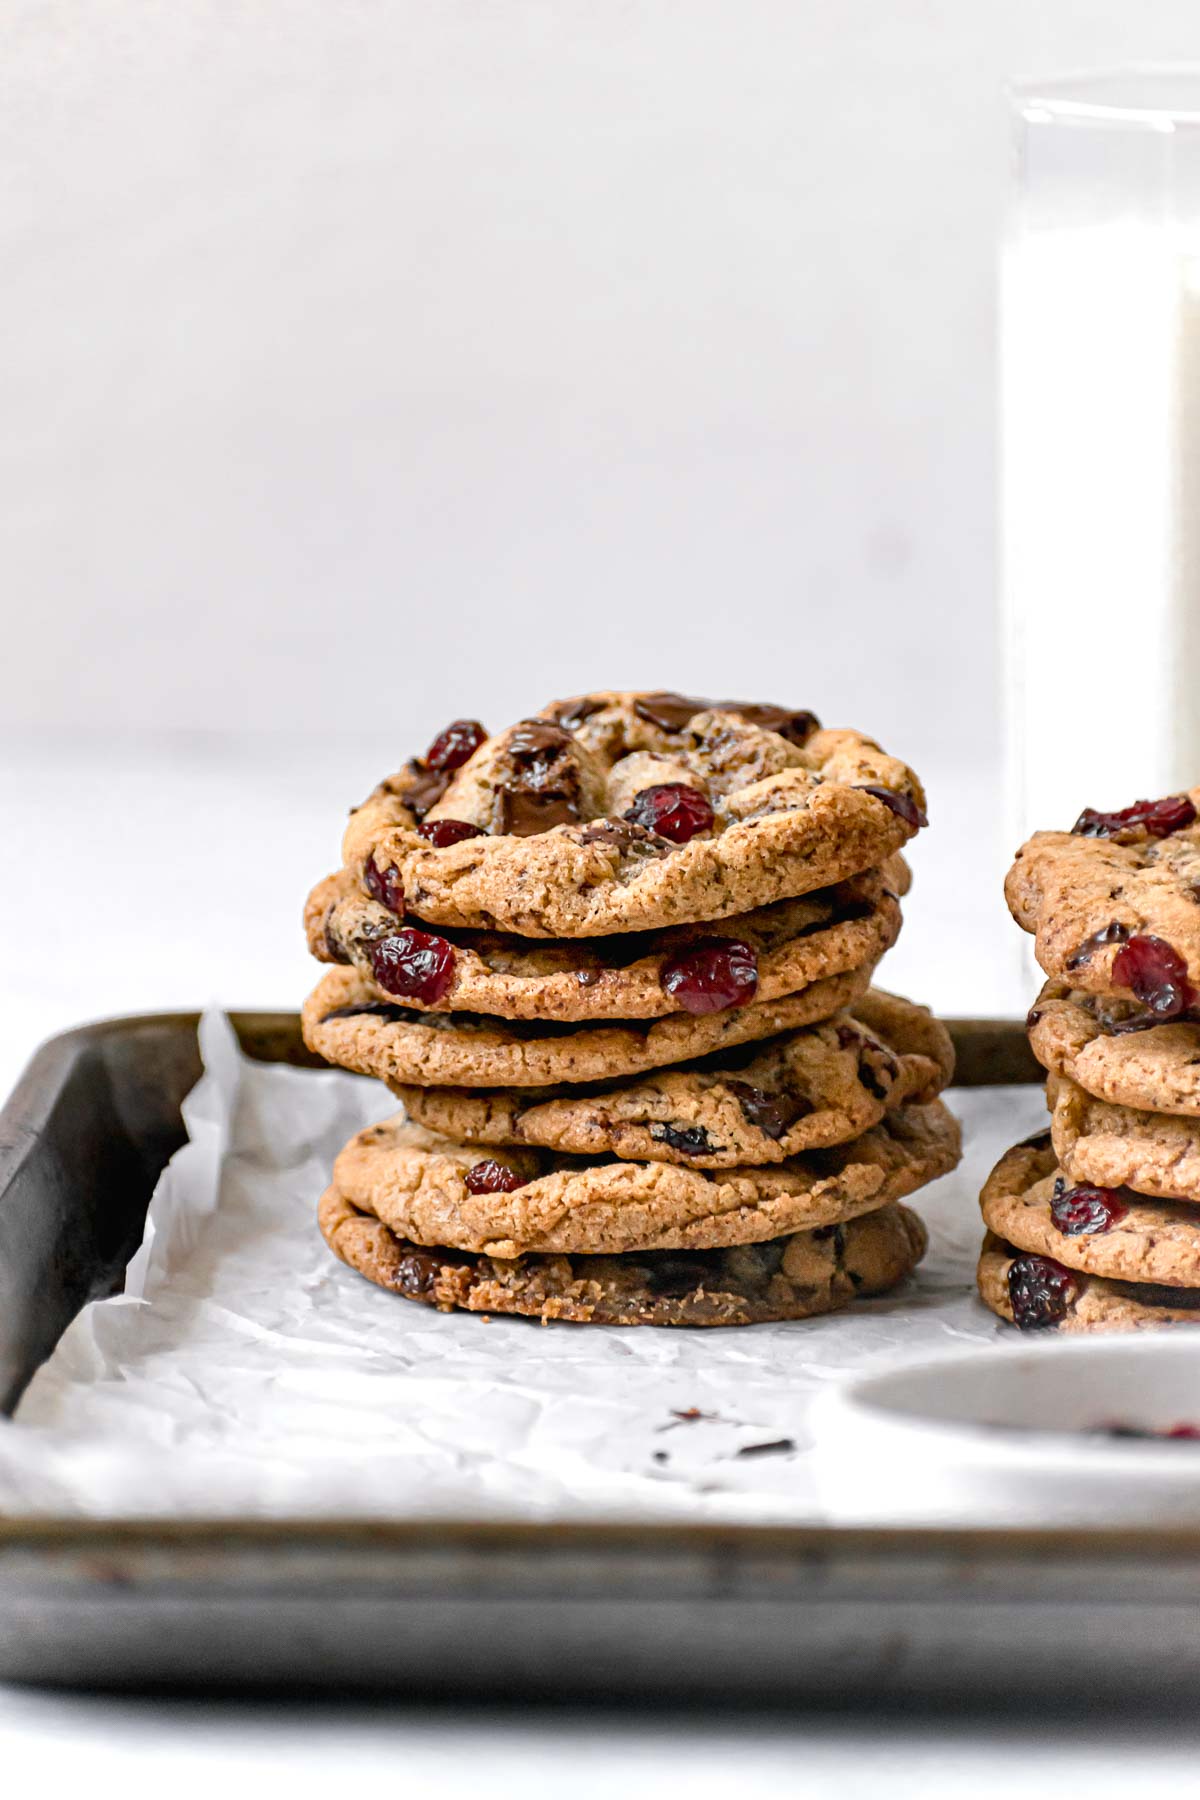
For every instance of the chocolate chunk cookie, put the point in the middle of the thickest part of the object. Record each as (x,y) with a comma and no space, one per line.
(761,1104)
(1120,1146)
(628,812)
(1100,1045)
(791,1278)
(434,1190)
(345,1021)
(785,946)
(1113,1233)
(1118,912)
(1038,1293)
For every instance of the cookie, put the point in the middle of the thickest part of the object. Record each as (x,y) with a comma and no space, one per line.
(1088,1038)
(1037,1294)
(760,1104)
(629,812)
(785,946)
(1119,1146)
(1120,1236)
(790,1278)
(434,1190)
(344,1021)
(1117,913)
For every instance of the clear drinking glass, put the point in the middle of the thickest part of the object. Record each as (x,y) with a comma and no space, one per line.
(1100,464)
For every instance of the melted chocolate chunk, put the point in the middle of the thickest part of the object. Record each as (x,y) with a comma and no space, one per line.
(570,714)
(420,788)
(772,1114)
(418,1271)
(674,1276)
(541,787)
(796,726)
(670,712)
(690,1140)
(1113,933)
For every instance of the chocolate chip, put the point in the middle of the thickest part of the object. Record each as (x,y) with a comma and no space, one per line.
(525,815)
(675,1276)
(539,784)
(420,788)
(1113,933)
(624,836)
(418,1270)
(690,1140)
(670,712)
(772,1114)
(796,726)
(570,714)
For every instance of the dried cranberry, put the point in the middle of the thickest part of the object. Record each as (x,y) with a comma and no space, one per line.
(1157,974)
(456,745)
(1086,1211)
(903,805)
(672,810)
(492,1177)
(385,886)
(1040,1291)
(1189,1432)
(711,975)
(441,832)
(1158,818)
(414,965)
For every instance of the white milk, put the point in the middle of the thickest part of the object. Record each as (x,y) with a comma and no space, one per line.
(1101,519)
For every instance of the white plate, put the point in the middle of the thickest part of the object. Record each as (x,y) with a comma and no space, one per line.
(1017,1435)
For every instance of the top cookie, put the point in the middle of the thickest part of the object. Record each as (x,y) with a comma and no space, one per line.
(620,812)
(1115,903)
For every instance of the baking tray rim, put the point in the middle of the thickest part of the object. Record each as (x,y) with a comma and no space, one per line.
(36,1091)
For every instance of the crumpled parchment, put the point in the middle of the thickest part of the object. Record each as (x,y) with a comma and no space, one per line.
(245,1371)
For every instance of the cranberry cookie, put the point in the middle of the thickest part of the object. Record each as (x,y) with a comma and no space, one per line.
(760,1104)
(1037,1293)
(764,954)
(435,1190)
(1111,1232)
(1120,1146)
(791,1278)
(1115,903)
(1101,1045)
(344,1021)
(624,812)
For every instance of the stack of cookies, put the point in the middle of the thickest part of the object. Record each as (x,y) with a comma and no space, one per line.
(616,964)
(1095,1225)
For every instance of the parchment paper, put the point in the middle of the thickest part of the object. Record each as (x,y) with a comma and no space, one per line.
(244,1370)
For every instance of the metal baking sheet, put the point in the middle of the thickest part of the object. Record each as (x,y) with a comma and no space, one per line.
(763,1613)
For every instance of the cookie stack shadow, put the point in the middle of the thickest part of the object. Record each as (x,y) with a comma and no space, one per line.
(1094,1225)
(615,963)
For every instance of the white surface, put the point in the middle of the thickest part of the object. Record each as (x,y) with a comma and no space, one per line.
(560,333)
(1017,1436)
(244,1370)
(1101,496)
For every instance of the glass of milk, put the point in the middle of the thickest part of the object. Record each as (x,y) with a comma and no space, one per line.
(1100,463)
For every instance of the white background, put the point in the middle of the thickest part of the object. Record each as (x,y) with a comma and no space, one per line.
(363,364)
(362,361)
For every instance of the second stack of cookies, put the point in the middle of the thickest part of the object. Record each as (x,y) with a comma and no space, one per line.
(615,963)
(1095,1224)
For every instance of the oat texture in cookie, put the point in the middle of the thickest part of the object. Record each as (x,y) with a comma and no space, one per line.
(1122,1146)
(762,1103)
(620,812)
(760,955)
(509,1202)
(1115,906)
(345,1021)
(792,1277)
(1108,1048)
(1038,1293)
(1111,1232)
